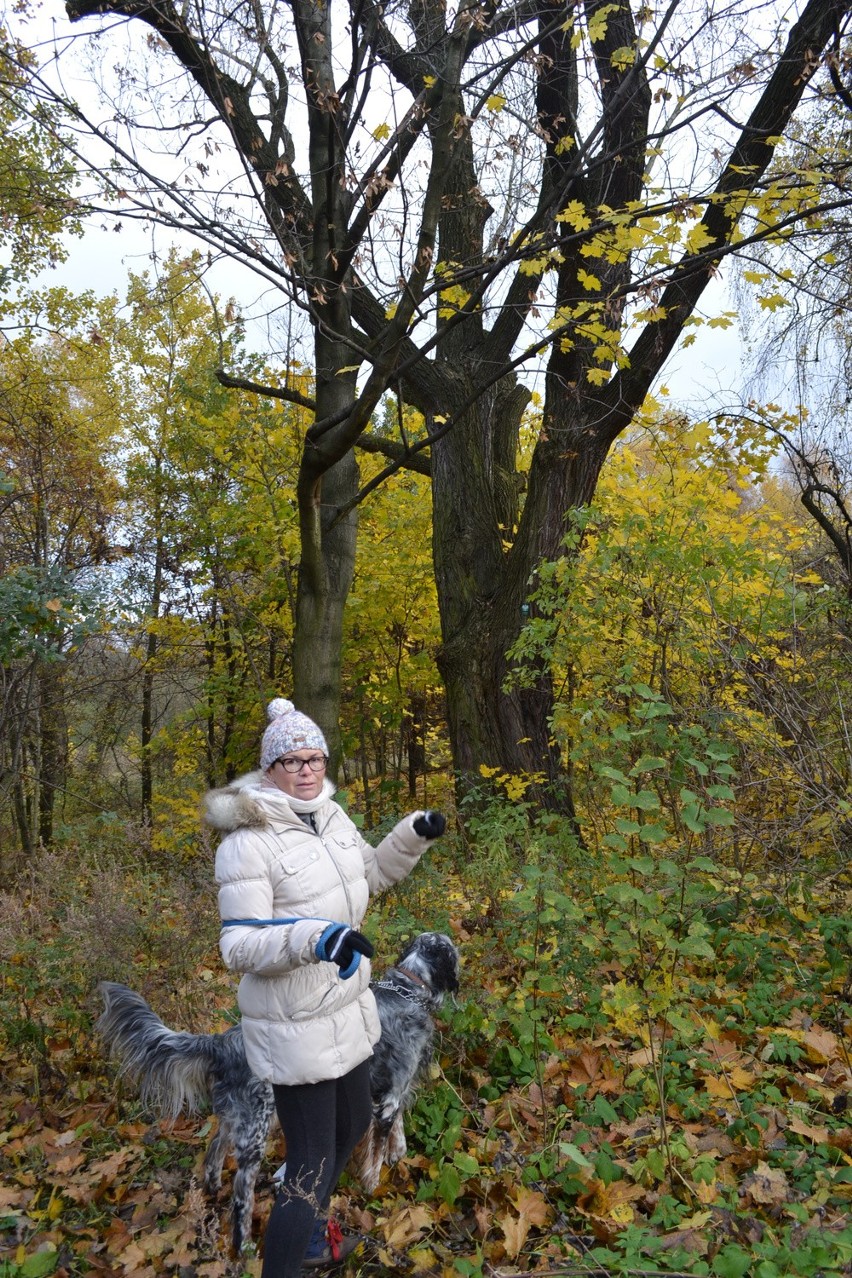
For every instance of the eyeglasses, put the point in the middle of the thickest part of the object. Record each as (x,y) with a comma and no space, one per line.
(316,763)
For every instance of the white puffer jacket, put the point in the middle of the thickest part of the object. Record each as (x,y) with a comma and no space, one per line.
(301,1022)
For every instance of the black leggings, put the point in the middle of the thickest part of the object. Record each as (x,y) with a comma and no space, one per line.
(322,1124)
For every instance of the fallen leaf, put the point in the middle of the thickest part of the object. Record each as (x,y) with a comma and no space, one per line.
(734,1079)
(515,1231)
(821,1046)
(818,1134)
(767,1185)
(532,1206)
(406,1225)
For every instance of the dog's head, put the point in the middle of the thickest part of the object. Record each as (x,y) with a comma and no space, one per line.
(432,957)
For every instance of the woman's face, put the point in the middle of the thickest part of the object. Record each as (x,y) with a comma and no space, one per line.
(304,784)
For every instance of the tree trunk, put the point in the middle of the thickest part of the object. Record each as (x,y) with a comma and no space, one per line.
(481,597)
(415,744)
(320,604)
(146,727)
(328,556)
(53,746)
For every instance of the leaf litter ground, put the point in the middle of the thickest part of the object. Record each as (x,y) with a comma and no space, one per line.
(548,1141)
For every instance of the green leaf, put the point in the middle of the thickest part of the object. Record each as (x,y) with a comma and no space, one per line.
(719,816)
(732,1262)
(466,1163)
(642,864)
(39,1264)
(625,826)
(653,832)
(576,1156)
(648,763)
(449,1184)
(694,819)
(614,774)
(705,863)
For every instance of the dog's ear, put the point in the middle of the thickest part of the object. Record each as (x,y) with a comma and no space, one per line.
(444,961)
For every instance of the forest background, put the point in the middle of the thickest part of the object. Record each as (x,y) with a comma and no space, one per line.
(647,1070)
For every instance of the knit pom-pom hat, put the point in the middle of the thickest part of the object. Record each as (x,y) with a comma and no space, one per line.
(288,730)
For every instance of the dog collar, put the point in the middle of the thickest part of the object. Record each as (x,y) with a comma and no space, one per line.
(411,996)
(412,976)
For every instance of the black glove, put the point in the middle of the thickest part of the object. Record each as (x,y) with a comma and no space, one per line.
(430,825)
(344,946)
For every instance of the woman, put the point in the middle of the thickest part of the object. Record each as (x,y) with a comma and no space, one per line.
(294,879)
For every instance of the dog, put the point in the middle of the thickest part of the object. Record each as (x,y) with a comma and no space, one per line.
(177,1071)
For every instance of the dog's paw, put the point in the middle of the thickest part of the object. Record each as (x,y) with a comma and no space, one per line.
(396,1144)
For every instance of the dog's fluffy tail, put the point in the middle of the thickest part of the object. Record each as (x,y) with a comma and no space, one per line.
(174,1071)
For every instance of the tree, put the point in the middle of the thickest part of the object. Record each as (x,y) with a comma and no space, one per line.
(448,197)
(210,528)
(691,626)
(58,503)
(36,177)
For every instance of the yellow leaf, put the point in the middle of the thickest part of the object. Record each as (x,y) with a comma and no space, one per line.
(773,302)
(53,605)
(698,239)
(696,1221)
(575,214)
(381,131)
(496,102)
(533,265)
(598,21)
(423,1259)
(589,281)
(622,58)
(741,1080)
(735,1079)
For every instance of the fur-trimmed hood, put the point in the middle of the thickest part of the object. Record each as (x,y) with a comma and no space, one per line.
(248,804)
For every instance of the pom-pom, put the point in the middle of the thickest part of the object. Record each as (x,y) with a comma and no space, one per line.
(280,706)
